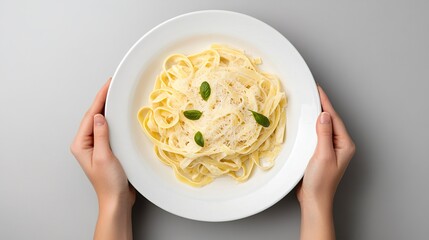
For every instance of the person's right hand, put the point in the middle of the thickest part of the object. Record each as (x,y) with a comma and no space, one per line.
(333,153)
(316,192)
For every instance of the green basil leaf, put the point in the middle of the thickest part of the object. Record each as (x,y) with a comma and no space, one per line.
(261,119)
(205,90)
(199,139)
(192,114)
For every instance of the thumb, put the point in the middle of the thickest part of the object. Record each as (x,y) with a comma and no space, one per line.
(101,138)
(325,145)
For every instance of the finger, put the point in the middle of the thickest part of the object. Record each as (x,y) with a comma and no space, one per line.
(343,143)
(102,151)
(325,146)
(339,128)
(98,104)
(86,126)
(82,154)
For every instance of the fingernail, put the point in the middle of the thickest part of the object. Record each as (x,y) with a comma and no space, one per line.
(99,120)
(325,118)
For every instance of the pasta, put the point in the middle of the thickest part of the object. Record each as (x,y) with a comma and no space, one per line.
(215,113)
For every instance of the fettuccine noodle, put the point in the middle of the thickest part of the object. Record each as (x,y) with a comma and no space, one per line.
(234,142)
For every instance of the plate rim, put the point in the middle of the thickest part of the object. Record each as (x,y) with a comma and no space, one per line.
(267,203)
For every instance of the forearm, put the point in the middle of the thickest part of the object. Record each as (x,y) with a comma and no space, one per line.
(317,222)
(114,222)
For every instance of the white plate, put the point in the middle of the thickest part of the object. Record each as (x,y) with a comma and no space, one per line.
(224,199)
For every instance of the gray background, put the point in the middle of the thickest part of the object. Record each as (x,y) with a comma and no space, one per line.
(370,56)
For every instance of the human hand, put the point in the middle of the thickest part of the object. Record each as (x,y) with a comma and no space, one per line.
(92,150)
(333,153)
(316,191)
(115,195)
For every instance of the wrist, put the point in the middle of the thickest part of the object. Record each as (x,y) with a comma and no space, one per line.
(317,219)
(114,219)
(319,205)
(114,204)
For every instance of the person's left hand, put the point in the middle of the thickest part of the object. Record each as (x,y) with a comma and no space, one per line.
(92,150)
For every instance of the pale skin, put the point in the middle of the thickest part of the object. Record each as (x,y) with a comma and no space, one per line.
(317,189)
(116,196)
